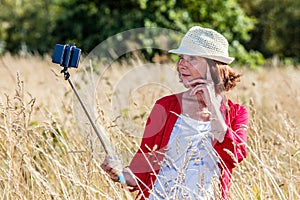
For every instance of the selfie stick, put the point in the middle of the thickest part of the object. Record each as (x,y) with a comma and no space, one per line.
(67,77)
(64,56)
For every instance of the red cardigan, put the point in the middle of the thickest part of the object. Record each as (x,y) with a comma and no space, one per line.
(157,133)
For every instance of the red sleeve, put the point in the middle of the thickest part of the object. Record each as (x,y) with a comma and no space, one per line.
(146,158)
(233,149)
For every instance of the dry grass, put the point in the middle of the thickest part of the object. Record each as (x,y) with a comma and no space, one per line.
(43,155)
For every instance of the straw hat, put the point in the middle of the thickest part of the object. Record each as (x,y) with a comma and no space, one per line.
(206,43)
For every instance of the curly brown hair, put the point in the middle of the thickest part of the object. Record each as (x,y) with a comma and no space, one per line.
(223,76)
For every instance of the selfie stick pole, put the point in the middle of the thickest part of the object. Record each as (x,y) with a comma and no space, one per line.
(107,150)
(67,77)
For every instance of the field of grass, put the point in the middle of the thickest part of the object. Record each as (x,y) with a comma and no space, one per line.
(49,151)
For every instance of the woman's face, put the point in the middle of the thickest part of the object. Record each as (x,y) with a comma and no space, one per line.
(191,67)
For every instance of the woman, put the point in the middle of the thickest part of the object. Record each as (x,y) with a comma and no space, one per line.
(194,139)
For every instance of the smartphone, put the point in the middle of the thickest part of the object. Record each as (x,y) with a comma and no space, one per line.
(66,55)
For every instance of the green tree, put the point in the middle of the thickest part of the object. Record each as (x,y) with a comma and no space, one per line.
(278,29)
(40,24)
(89,22)
(25,25)
(227,17)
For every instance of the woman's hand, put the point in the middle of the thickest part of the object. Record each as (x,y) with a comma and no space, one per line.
(113,167)
(205,92)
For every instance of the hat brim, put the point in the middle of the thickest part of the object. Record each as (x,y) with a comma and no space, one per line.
(222,59)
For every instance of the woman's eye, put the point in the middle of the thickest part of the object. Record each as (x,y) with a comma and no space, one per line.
(192,58)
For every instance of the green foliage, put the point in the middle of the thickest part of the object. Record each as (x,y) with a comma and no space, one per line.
(251,58)
(277,31)
(228,18)
(270,27)
(25,25)
(87,23)
(224,16)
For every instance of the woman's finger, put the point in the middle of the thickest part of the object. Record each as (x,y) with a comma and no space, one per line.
(201,87)
(106,168)
(197,89)
(204,93)
(116,167)
(198,81)
(112,167)
(208,74)
(106,160)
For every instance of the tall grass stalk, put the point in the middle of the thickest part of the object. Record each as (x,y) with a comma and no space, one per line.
(45,156)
